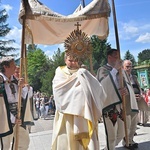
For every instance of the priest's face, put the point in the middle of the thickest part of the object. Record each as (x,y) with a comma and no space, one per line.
(71,63)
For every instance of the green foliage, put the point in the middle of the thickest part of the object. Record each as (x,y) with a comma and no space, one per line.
(41,69)
(47,82)
(32,47)
(130,57)
(99,51)
(37,67)
(144,55)
(4,30)
(57,60)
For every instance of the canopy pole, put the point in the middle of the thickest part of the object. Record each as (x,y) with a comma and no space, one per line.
(120,73)
(83,2)
(20,74)
(20,88)
(25,66)
(91,65)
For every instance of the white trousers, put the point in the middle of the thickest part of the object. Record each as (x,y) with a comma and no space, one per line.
(132,125)
(46,110)
(23,137)
(114,134)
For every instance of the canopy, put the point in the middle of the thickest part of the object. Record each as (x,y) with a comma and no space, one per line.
(44,26)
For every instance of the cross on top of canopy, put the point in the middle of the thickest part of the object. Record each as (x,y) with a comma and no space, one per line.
(44,26)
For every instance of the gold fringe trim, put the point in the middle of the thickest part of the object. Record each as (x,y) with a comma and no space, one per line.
(66,19)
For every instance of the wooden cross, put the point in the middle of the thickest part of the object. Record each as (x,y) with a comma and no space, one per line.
(77,25)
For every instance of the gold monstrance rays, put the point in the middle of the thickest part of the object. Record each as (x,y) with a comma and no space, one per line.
(78,44)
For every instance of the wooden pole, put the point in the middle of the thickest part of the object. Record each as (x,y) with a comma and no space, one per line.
(20,89)
(25,66)
(83,3)
(120,73)
(20,75)
(91,65)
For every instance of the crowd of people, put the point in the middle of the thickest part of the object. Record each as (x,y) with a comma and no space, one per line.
(144,113)
(44,106)
(75,99)
(81,100)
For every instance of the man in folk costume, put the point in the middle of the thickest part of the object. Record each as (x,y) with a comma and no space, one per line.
(79,99)
(112,110)
(142,105)
(29,99)
(8,107)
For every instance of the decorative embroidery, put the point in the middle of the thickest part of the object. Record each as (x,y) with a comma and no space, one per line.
(12,87)
(13,108)
(113,114)
(1,86)
(1,80)
(108,68)
(121,115)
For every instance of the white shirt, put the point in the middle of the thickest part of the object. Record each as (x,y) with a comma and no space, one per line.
(131,79)
(114,72)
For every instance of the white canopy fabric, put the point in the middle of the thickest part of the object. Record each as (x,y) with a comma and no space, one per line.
(44,26)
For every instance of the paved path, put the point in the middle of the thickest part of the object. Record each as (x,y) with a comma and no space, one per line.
(41,135)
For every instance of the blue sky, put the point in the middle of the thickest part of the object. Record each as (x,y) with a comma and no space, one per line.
(132,19)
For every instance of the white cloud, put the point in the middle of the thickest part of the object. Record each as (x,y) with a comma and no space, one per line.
(145,38)
(127,30)
(49,53)
(145,27)
(7,7)
(130,28)
(134,30)
(50,49)
(45,46)
(15,33)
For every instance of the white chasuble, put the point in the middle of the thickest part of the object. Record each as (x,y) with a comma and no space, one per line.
(79,99)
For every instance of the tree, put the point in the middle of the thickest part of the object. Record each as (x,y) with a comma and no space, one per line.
(130,57)
(41,69)
(99,51)
(4,30)
(32,47)
(144,55)
(57,60)
(37,67)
